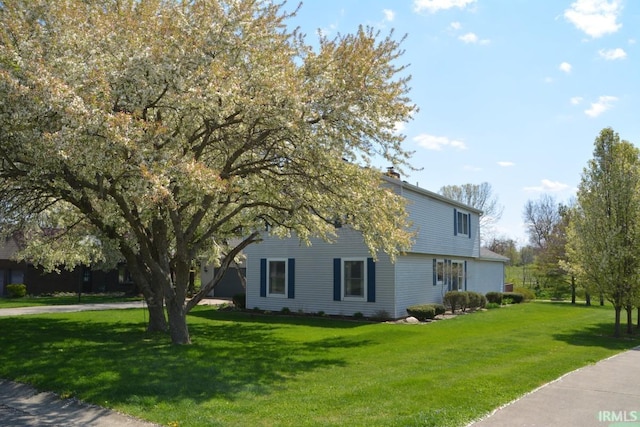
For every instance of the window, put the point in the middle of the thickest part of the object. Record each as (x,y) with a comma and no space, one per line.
(354,278)
(277,277)
(457,276)
(439,272)
(449,273)
(463,223)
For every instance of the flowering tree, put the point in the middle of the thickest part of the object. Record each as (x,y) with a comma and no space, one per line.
(604,232)
(170,131)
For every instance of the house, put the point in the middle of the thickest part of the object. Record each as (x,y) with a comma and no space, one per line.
(343,279)
(81,279)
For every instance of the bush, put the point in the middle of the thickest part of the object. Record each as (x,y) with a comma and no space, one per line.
(440,309)
(515,297)
(476,300)
(494,297)
(527,293)
(285,310)
(240,301)
(358,315)
(17,290)
(422,312)
(455,300)
(492,305)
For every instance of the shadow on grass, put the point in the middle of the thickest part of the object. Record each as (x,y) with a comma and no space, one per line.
(103,360)
(600,335)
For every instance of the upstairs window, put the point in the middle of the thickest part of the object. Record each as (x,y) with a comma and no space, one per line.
(461,223)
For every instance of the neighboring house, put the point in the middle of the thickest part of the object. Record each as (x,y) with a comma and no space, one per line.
(82,278)
(342,278)
(232,282)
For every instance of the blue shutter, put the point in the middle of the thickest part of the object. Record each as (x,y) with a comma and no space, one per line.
(455,221)
(291,278)
(371,280)
(469,224)
(336,279)
(263,277)
(465,275)
(435,272)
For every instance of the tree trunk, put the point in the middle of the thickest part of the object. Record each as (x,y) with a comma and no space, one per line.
(601,299)
(157,319)
(587,298)
(178,329)
(573,290)
(638,319)
(629,310)
(616,328)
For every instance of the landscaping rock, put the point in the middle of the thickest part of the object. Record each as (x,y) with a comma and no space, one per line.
(411,320)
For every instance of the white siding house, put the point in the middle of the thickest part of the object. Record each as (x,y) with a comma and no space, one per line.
(342,278)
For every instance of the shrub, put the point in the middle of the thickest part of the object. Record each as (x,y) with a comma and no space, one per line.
(240,301)
(440,309)
(456,299)
(491,305)
(515,297)
(358,315)
(285,310)
(527,293)
(494,297)
(422,312)
(17,290)
(320,313)
(476,300)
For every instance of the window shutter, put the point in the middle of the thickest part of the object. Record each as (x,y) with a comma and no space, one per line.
(371,280)
(435,272)
(455,221)
(291,278)
(469,224)
(465,275)
(337,279)
(263,277)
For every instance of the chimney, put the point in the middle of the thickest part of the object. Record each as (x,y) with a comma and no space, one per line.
(392,172)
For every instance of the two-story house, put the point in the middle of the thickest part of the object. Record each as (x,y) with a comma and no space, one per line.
(342,278)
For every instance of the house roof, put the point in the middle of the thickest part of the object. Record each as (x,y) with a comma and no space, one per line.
(430,194)
(488,255)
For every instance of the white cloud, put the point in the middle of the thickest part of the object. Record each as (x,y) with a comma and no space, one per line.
(455,25)
(548,186)
(437,143)
(435,5)
(399,127)
(612,54)
(506,164)
(576,100)
(594,17)
(389,14)
(472,168)
(603,104)
(472,38)
(566,67)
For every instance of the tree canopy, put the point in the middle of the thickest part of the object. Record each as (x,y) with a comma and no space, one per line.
(165,131)
(604,233)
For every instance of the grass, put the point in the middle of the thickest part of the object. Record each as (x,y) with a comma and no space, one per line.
(247,369)
(64,299)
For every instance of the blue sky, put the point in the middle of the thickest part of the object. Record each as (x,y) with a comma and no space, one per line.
(511,92)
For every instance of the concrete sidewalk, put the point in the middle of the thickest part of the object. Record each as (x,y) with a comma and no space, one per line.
(605,394)
(22,406)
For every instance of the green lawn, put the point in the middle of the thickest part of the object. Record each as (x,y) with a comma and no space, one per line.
(64,299)
(245,369)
